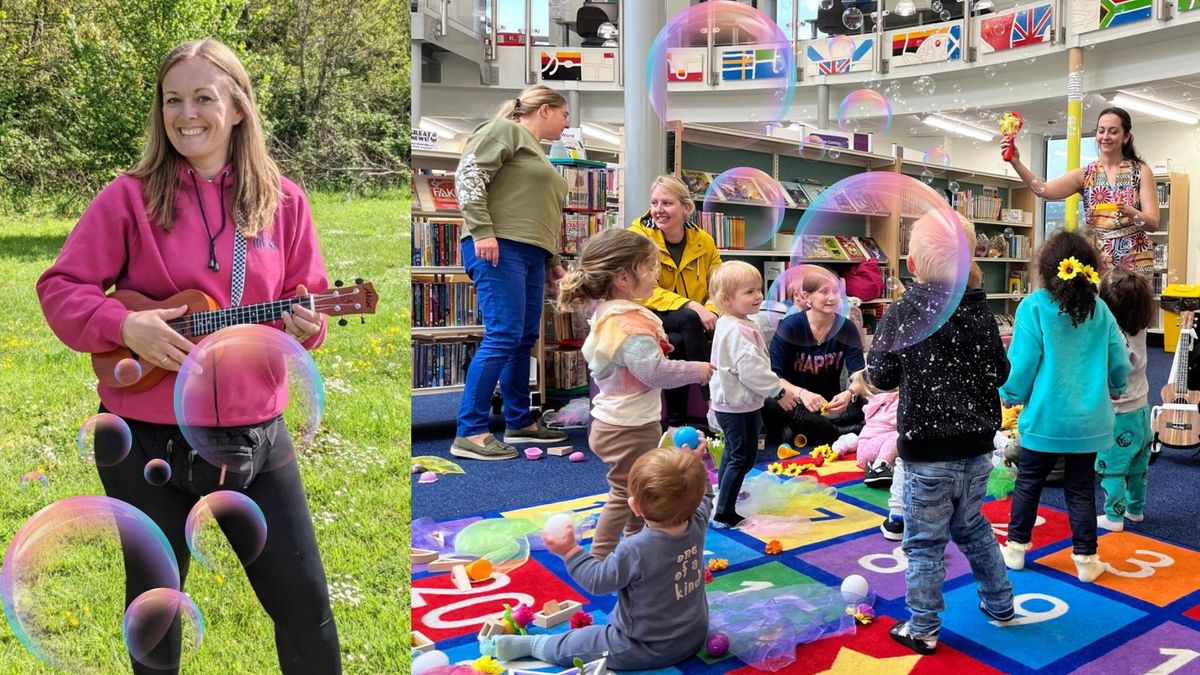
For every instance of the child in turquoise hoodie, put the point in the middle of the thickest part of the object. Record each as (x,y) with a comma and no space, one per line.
(1068,362)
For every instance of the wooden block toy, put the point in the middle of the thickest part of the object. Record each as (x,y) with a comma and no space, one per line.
(598,667)
(458,575)
(423,556)
(420,643)
(446,564)
(554,613)
(560,450)
(492,628)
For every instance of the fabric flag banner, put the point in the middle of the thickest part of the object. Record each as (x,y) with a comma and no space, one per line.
(686,65)
(1022,28)
(823,61)
(1188,5)
(1122,12)
(753,64)
(931,45)
(562,66)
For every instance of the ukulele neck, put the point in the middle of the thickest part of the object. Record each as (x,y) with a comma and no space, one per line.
(204,323)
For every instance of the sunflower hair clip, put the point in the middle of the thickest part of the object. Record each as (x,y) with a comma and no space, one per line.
(1069,268)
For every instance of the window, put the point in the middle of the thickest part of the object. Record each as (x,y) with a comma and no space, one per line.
(807,11)
(1056,165)
(510,16)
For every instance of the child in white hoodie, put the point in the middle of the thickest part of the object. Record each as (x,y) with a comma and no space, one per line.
(743,379)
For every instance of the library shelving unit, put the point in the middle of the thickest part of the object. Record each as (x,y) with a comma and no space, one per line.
(1170,261)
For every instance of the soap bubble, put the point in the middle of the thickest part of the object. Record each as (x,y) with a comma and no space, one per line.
(865,111)
(104,439)
(148,621)
(812,148)
(748,184)
(157,472)
(945,15)
(224,517)
(127,371)
(62,582)
(989,71)
(235,377)
(827,5)
(954,187)
(33,478)
(926,176)
(924,85)
(769,64)
(852,18)
(935,6)
(936,161)
(783,299)
(1008,233)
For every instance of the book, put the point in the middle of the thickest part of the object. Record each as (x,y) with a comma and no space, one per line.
(813,190)
(835,250)
(442,191)
(748,190)
(853,250)
(842,202)
(796,193)
(813,248)
(872,247)
(697,181)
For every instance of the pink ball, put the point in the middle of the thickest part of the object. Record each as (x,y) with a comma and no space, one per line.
(576,456)
(718,645)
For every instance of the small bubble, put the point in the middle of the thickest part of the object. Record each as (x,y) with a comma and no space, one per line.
(926,176)
(954,187)
(1008,233)
(989,71)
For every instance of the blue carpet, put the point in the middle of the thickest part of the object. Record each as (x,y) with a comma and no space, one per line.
(1173,499)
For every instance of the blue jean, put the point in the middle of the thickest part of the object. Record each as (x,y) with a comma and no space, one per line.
(942,501)
(741,449)
(510,297)
(1079,490)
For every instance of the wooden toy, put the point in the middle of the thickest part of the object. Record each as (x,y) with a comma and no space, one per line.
(458,576)
(423,556)
(494,627)
(560,450)
(554,613)
(594,668)
(420,643)
(446,564)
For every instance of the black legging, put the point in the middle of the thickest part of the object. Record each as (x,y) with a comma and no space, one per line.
(783,425)
(685,331)
(287,576)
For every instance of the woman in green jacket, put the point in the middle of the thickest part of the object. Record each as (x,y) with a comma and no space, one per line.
(687,255)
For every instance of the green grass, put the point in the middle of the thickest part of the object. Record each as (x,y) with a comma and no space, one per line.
(356,474)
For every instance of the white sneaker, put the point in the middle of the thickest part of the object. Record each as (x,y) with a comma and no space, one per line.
(1088,567)
(1103,523)
(1135,517)
(1014,554)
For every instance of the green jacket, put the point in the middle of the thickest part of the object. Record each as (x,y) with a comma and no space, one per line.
(677,284)
(508,189)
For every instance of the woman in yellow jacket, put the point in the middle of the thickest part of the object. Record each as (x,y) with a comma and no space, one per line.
(687,255)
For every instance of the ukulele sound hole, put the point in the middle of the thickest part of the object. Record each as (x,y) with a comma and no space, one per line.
(1178,426)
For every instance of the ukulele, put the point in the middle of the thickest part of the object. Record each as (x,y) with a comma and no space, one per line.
(1178,423)
(204,316)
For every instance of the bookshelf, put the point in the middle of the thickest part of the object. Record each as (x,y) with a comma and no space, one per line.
(1172,235)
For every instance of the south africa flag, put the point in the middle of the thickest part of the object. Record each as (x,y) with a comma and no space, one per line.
(1121,12)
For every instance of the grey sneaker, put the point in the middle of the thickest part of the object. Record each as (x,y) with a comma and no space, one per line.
(491,449)
(539,434)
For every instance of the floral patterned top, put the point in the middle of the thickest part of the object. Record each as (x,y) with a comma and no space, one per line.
(1119,242)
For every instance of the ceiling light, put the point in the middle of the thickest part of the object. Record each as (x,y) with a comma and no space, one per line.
(603,133)
(906,8)
(961,128)
(433,126)
(982,5)
(1156,108)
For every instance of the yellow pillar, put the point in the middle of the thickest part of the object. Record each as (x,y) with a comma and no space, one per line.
(1074,127)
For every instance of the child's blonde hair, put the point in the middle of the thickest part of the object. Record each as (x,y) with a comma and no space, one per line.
(668,484)
(860,383)
(604,256)
(938,246)
(727,278)
(975,276)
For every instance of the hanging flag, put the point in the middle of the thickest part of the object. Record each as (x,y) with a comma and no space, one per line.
(821,60)
(686,64)
(754,64)
(1022,28)
(1122,12)
(930,45)
(562,65)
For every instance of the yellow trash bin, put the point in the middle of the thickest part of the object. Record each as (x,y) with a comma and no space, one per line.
(1177,298)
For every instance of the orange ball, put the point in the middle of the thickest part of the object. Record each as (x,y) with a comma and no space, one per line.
(480,570)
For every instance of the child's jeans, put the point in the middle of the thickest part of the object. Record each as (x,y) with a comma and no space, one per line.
(1079,488)
(1122,466)
(942,501)
(741,449)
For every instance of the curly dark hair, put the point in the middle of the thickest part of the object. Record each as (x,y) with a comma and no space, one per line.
(1129,298)
(1075,297)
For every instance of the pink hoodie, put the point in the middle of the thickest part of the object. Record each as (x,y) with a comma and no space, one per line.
(878,437)
(116,246)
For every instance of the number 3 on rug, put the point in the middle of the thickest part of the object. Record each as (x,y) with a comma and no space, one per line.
(1145,567)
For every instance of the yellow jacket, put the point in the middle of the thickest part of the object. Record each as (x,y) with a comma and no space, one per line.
(677,284)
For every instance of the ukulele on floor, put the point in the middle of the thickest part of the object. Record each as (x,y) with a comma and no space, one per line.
(1178,423)
(203,316)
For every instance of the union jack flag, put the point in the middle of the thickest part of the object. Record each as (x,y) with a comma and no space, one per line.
(1031,26)
(833,66)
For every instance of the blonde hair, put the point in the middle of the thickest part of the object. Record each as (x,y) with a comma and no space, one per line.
(678,189)
(975,276)
(530,101)
(256,190)
(727,278)
(604,256)
(668,484)
(862,382)
(936,246)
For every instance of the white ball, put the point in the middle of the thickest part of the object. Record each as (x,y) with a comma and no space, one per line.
(428,661)
(855,588)
(556,526)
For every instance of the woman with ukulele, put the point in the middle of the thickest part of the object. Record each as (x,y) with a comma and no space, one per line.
(206,208)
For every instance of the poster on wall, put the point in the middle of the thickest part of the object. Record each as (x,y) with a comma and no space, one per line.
(587,65)
(1022,28)
(929,45)
(842,54)
(561,66)
(754,64)
(1101,14)
(686,64)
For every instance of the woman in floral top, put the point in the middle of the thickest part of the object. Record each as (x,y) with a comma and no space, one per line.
(1118,192)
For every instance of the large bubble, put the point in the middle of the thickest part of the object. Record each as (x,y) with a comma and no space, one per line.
(865,111)
(889,196)
(104,439)
(230,381)
(225,530)
(748,185)
(147,625)
(62,583)
(805,286)
(761,63)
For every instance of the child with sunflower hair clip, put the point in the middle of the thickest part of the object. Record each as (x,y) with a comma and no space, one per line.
(1069,362)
